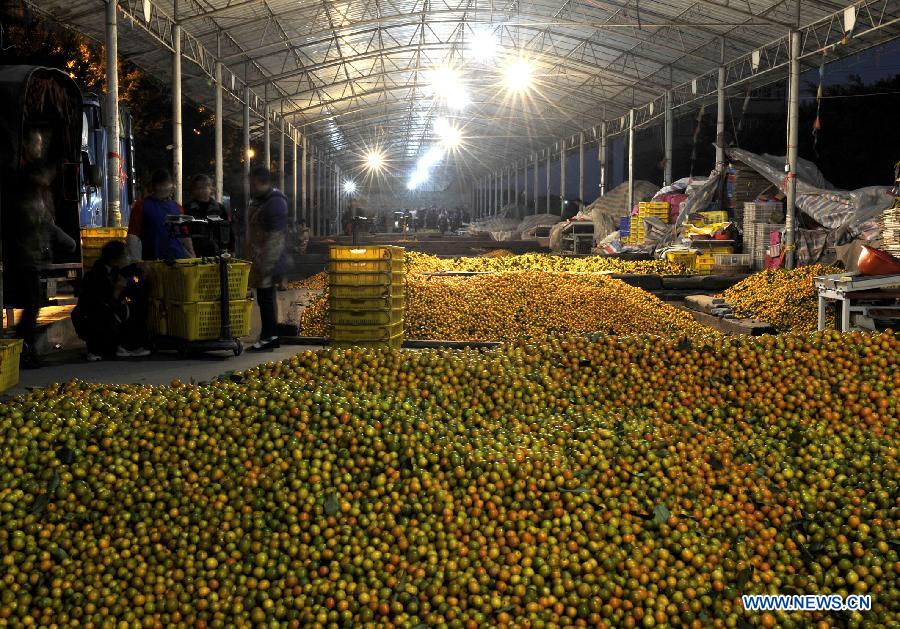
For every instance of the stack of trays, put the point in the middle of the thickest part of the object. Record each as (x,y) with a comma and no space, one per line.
(649,209)
(890,230)
(367,295)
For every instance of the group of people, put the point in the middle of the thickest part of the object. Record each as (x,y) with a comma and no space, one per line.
(111,315)
(443,220)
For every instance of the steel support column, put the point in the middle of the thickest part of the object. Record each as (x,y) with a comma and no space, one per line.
(320,193)
(496,188)
(534,179)
(525,187)
(294,168)
(267,137)
(720,121)
(581,167)
(562,176)
(630,160)
(669,135)
(177,162)
(113,159)
(246,157)
(549,159)
(792,133)
(220,115)
(516,187)
(304,206)
(602,155)
(281,170)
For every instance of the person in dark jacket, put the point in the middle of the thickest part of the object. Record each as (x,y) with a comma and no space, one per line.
(203,205)
(159,241)
(267,221)
(111,315)
(31,237)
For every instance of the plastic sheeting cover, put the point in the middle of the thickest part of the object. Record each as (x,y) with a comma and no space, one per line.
(845,210)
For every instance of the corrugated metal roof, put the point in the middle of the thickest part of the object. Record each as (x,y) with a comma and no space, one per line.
(354,74)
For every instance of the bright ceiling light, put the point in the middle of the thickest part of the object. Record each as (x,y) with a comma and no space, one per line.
(458,100)
(443,81)
(374,160)
(446,85)
(517,76)
(449,134)
(349,186)
(483,45)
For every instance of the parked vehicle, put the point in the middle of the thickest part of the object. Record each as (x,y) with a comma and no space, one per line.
(94,151)
(48,99)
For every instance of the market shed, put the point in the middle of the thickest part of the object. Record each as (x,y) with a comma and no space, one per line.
(351,87)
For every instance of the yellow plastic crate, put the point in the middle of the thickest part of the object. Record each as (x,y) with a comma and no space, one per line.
(366,291)
(197,279)
(687,258)
(710,218)
(367,317)
(373,303)
(156,317)
(10,350)
(342,265)
(653,205)
(721,249)
(155,277)
(371,333)
(704,264)
(395,342)
(366,252)
(366,279)
(93,239)
(201,320)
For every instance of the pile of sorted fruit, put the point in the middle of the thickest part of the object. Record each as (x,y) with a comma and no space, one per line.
(523,305)
(425,263)
(785,299)
(500,261)
(608,482)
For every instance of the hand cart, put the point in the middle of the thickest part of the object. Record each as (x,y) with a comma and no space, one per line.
(868,299)
(226,340)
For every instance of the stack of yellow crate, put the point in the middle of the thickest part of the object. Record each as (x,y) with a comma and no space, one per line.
(649,209)
(185,299)
(367,295)
(92,241)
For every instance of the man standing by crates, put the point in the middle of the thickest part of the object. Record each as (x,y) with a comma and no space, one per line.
(267,222)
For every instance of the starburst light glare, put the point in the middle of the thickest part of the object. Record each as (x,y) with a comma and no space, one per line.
(483,45)
(374,160)
(517,76)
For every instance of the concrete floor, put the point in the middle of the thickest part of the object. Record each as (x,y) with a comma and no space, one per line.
(160,368)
